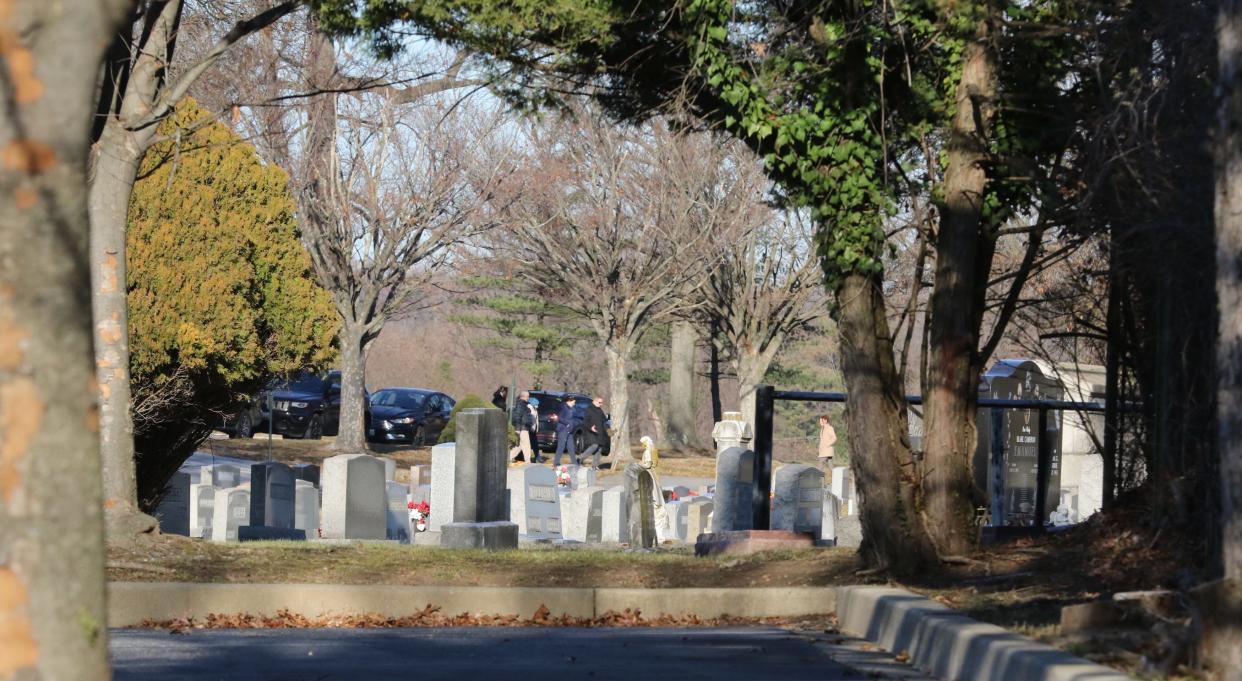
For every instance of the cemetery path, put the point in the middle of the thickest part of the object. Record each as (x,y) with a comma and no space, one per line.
(549,654)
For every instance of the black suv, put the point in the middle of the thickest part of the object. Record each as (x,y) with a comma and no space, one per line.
(549,406)
(305,404)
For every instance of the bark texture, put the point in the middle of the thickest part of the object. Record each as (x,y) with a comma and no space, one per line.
(1223,621)
(619,403)
(964,250)
(351,435)
(52,609)
(895,537)
(681,393)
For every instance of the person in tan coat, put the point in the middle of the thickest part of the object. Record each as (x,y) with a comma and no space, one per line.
(827,440)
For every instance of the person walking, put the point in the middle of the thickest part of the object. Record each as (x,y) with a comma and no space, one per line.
(595,430)
(524,422)
(566,424)
(827,442)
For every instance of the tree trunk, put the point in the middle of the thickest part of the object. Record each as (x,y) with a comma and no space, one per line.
(351,436)
(893,530)
(751,368)
(1223,618)
(963,261)
(713,373)
(52,608)
(117,155)
(619,404)
(681,395)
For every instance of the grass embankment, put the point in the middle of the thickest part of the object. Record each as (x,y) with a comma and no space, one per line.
(178,559)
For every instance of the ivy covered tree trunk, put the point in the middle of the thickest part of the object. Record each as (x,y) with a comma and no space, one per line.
(52,606)
(618,407)
(964,251)
(894,534)
(1222,601)
(681,394)
(351,435)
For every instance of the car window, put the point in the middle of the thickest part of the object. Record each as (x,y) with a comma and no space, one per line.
(299,382)
(433,404)
(548,405)
(409,400)
(383,398)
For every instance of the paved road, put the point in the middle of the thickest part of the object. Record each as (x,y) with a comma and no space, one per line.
(527,654)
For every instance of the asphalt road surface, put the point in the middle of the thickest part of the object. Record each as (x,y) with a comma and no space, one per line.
(524,654)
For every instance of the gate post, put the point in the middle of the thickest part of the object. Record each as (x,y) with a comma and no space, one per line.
(761,499)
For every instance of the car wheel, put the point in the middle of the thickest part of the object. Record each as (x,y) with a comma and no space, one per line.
(314,429)
(244,427)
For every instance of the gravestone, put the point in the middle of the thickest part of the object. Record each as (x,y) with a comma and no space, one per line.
(583,514)
(734,499)
(420,494)
(584,476)
(831,511)
(676,511)
(640,490)
(202,505)
(732,431)
(397,516)
(843,488)
(306,508)
(534,503)
(308,472)
(220,475)
(798,499)
(390,469)
(353,498)
(230,511)
(444,463)
(681,491)
(477,485)
(615,507)
(174,509)
(272,497)
(420,475)
(698,518)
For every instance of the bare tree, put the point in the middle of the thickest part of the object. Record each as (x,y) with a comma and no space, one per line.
(616,222)
(135,95)
(765,289)
(52,601)
(397,189)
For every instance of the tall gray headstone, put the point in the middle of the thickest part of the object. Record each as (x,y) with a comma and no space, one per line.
(535,504)
(231,511)
(202,505)
(831,511)
(615,515)
(584,514)
(272,498)
(308,472)
(734,499)
(174,509)
(640,490)
(798,499)
(732,431)
(354,498)
(444,465)
(306,508)
(397,516)
(420,475)
(479,517)
(390,469)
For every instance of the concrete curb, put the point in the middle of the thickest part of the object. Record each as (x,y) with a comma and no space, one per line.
(948,645)
(130,603)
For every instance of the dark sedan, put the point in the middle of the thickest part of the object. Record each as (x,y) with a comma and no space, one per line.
(408,415)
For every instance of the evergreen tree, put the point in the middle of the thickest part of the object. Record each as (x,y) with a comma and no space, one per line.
(221,296)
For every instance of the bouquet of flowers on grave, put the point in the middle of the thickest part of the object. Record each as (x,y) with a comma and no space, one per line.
(562,476)
(420,511)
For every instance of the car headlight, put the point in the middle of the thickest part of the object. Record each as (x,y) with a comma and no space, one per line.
(299,405)
(404,420)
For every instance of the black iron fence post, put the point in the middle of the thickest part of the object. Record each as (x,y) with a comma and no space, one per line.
(1042,471)
(764,413)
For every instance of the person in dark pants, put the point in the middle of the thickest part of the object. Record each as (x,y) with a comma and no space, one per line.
(595,430)
(566,424)
(500,398)
(524,420)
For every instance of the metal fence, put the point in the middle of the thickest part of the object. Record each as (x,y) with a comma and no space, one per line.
(765,408)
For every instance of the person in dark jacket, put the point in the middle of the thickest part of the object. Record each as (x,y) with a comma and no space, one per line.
(566,424)
(500,398)
(595,430)
(524,420)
